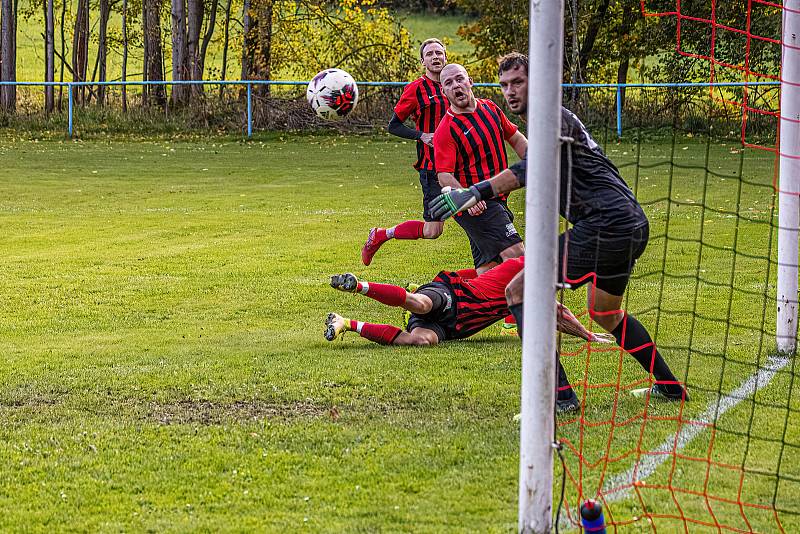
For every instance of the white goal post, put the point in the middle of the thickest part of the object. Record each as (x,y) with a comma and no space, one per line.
(541,242)
(789,179)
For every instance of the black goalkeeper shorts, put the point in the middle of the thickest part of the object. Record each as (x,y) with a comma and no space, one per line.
(609,256)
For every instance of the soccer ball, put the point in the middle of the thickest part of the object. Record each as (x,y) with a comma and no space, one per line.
(332,94)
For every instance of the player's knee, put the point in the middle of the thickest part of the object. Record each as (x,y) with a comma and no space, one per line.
(515,291)
(423,339)
(418,303)
(607,319)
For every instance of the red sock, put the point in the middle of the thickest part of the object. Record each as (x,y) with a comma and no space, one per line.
(409,230)
(380,235)
(467,274)
(385,334)
(510,320)
(383,293)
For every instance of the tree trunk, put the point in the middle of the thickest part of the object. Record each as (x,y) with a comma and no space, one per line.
(629,16)
(247,40)
(595,23)
(194,25)
(154,66)
(80,49)
(257,45)
(226,42)
(49,57)
(145,52)
(8,56)
(102,50)
(63,53)
(124,55)
(212,23)
(264,49)
(180,71)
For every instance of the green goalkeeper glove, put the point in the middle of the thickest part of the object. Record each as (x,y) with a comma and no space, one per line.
(451,202)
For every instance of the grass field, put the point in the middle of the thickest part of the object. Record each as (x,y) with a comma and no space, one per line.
(164,367)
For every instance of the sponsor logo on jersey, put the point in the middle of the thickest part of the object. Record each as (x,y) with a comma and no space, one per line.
(510,230)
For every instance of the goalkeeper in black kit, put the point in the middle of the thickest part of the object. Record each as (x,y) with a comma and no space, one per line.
(609,230)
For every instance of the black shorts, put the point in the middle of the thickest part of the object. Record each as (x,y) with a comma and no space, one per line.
(610,256)
(490,233)
(442,317)
(429,181)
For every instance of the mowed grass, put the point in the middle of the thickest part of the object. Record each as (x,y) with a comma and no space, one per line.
(164,367)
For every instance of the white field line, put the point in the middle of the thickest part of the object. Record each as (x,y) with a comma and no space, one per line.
(619,487)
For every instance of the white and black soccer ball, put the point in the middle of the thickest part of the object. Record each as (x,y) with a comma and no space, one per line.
(332,94)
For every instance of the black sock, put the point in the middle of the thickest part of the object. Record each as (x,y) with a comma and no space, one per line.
(648,356)
(516,311)
(562,380)
(563,387)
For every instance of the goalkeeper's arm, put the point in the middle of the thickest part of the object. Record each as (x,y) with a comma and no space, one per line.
(448,204)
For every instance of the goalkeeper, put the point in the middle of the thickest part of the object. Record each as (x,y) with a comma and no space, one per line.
(609,228)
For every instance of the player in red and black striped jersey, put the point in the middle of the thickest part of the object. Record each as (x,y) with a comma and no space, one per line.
(454,305)
(469,148)
(423,102)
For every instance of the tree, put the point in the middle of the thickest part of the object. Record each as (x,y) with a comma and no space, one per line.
(257,47)
(194,24)
(8,55)
(226,43)
(80,48)
(124,55)
(62,57)
(49,56)
(153,52)
(180,69)
(102,49)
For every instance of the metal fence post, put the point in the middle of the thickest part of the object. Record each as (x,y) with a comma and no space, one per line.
(69,108)
(249,110)
(619,111)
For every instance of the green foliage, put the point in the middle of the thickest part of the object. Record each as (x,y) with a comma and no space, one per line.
(355,35)
(498,28)
(610,31)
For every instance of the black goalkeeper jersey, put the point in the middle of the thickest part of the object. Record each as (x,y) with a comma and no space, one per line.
(599,199)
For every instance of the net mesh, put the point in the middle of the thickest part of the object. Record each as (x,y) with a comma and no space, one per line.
(704,289)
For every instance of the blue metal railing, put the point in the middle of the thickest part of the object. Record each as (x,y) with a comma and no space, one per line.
(250,83)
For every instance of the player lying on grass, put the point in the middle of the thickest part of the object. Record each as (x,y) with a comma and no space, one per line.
(609,229)
(454,305)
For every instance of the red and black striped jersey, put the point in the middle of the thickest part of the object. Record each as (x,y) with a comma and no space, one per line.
(424,102)
(471,145)
(480,301)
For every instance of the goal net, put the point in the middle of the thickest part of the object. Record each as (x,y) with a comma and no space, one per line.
(703,162)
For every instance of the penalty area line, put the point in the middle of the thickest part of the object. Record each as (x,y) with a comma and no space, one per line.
(619,487)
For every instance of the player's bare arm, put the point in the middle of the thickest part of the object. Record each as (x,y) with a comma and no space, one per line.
(519,143)
(447,179)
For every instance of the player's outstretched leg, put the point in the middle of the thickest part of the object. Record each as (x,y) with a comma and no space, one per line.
(384,334)
(388,294)
(405,230)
